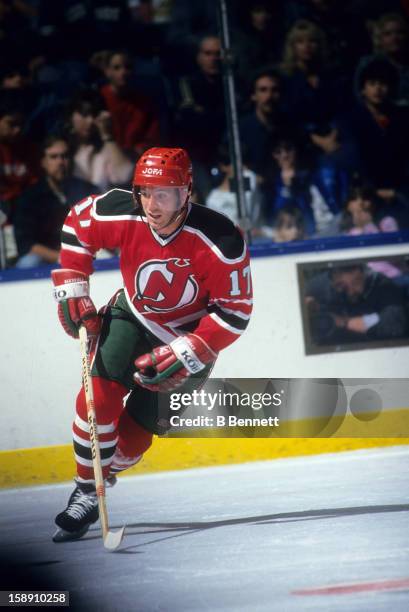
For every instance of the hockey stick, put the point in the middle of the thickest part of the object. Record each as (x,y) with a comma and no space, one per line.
(112,539)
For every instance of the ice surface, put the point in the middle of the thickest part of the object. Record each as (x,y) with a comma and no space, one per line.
(235,538)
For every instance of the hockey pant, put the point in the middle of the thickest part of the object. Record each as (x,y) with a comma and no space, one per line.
(125,427)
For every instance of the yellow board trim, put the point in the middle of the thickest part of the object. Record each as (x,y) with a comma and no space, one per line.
(53,464)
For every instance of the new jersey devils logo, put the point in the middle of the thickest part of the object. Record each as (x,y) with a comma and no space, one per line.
(164,285)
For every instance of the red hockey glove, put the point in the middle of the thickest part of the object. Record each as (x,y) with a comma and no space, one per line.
(168,366)
(75,307)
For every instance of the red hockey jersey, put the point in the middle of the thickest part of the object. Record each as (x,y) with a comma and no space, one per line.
(197,279)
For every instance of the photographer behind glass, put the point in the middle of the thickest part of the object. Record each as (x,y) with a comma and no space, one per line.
(353,303)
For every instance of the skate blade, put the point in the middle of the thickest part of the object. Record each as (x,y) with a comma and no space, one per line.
(113,539)
(66,536)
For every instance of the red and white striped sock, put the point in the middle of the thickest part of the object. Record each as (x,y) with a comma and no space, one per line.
(108,401)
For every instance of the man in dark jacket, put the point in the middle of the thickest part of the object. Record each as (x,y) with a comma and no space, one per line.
(41,209)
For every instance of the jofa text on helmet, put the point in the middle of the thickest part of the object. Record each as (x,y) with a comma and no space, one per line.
(152,171)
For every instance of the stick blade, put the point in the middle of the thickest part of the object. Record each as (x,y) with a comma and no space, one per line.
(113,539)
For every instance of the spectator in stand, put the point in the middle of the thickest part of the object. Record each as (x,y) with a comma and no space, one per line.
(19,160)
(64,44)
(96,156)
(199,117)
(259,40)
(260,128)
(42,103)
(149,25)
(289,225)
(316,192)
(43,207)
(223,197)
(14,74)
(378,126)
(84,22)
(313,93)
(188,21)
(343,23)
(391,39)
(135,124)
(361,214)
(395,203)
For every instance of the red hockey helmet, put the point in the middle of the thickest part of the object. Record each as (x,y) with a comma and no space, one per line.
(163,167)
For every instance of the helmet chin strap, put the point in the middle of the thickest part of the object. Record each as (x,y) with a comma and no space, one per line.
(177,214)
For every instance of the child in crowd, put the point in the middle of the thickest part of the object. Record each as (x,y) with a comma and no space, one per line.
(224,200)
(289,225)
(360,214)
(360,217)
(316,191)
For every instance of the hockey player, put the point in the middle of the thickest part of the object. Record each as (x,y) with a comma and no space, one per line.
(186,296)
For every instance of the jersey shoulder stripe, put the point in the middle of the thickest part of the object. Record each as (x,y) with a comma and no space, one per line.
(115,203)
(218,230)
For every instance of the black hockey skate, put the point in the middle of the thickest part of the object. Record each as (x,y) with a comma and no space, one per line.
(81,512)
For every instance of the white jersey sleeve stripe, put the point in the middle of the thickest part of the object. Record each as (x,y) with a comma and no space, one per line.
(187,319)
(83,205)
(237,313)
(232,301)
(69,229)
(75,249)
